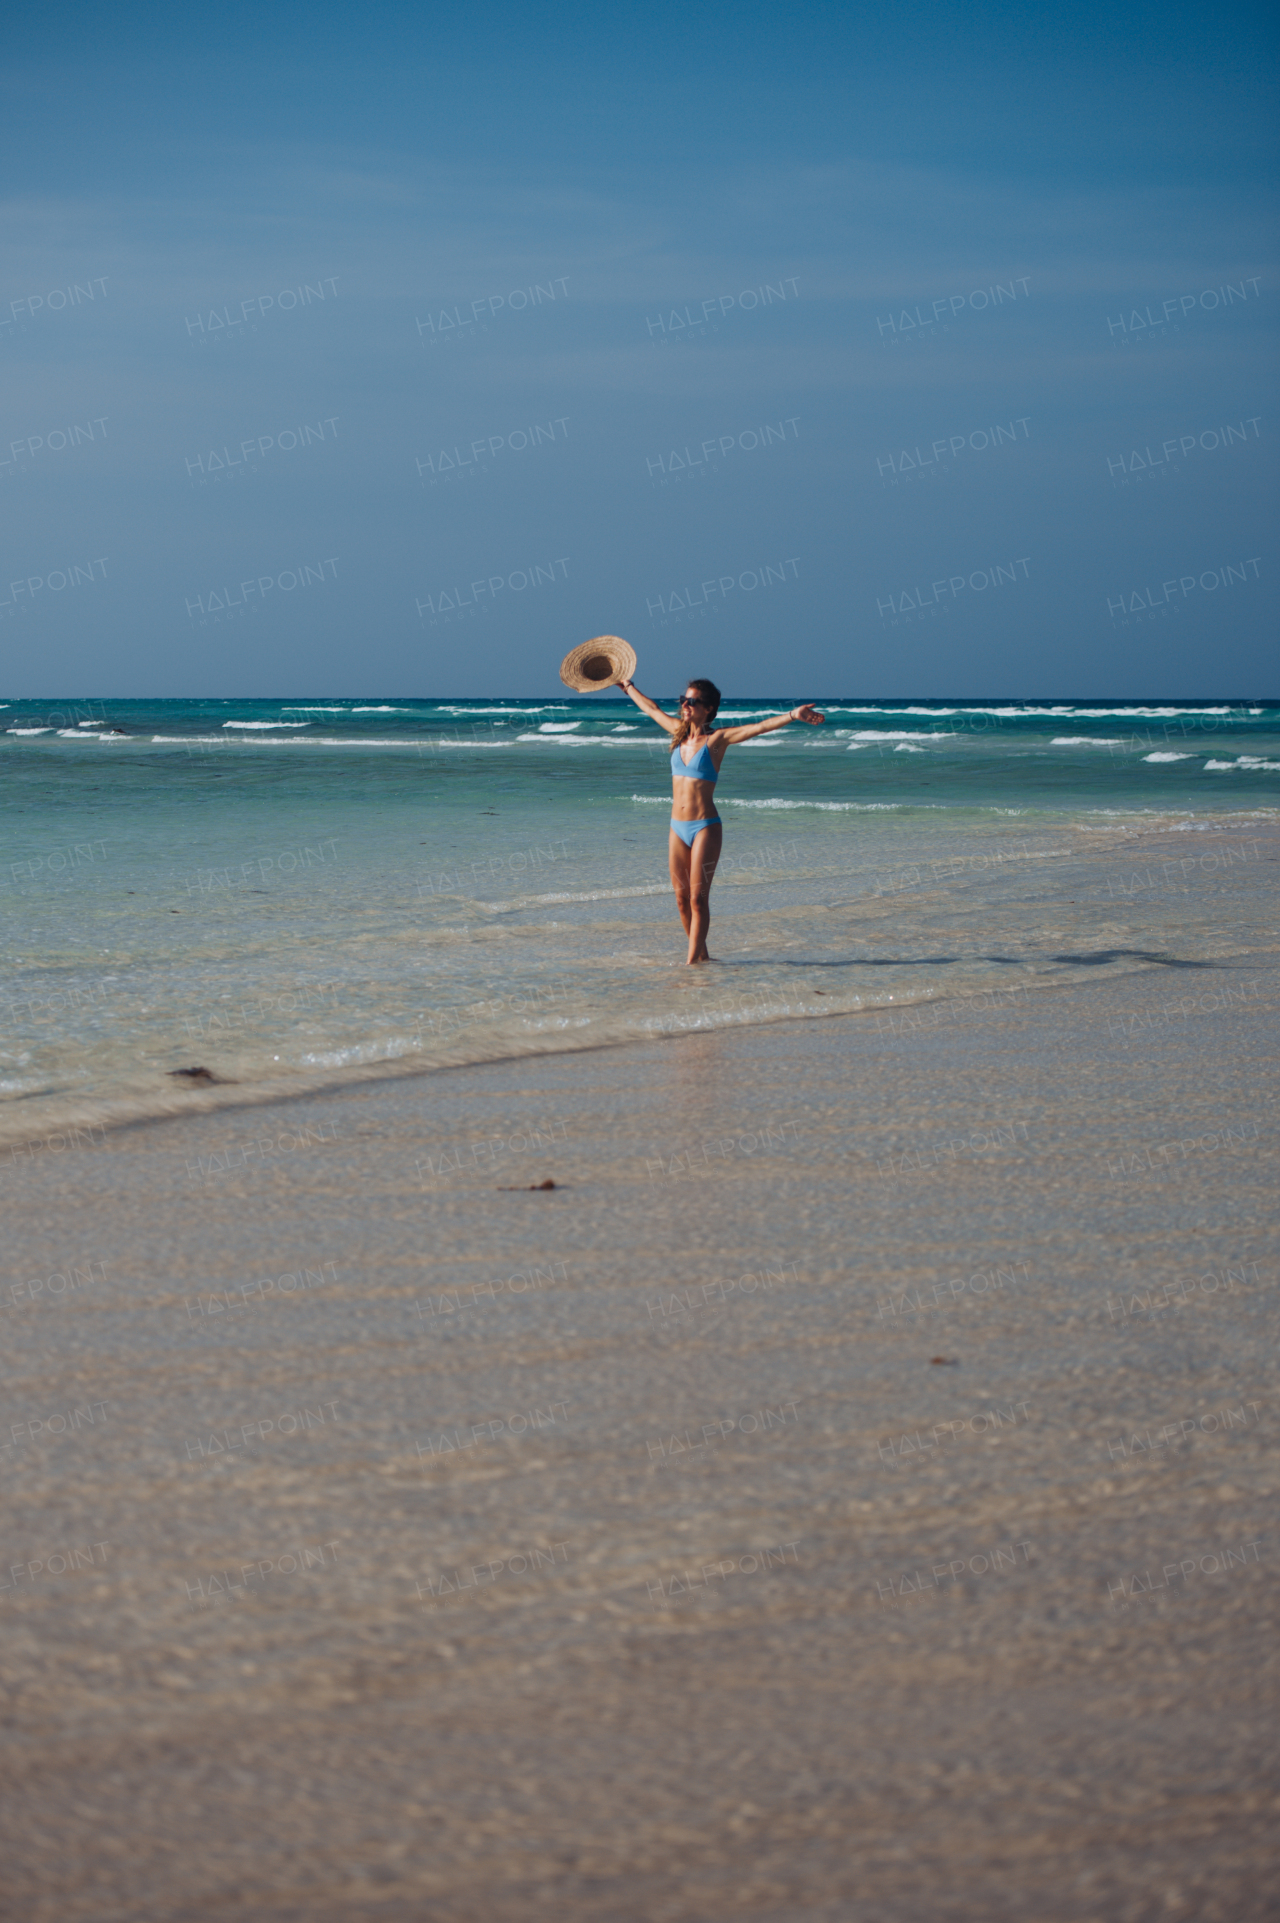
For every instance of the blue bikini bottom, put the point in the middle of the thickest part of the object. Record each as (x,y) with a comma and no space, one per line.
(689,830)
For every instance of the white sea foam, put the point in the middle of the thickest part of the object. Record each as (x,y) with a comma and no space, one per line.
(826,807)
(1084,741)
(909,748)
(309,741)
(557,727)
(1065,710)
(1070,710)
(600,894)
(266,724)
(28,730)
(347,741)
(389,1051)
(563,739)
(1241,761)
(1161,756)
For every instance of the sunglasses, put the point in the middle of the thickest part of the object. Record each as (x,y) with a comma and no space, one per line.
(692,701)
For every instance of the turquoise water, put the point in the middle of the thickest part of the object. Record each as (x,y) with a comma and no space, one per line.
(294,894)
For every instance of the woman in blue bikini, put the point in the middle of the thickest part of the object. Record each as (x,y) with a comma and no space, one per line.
(696,829)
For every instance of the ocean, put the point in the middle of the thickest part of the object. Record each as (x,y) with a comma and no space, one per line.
(293,895)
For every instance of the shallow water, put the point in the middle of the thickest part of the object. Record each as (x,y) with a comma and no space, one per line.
(293,894)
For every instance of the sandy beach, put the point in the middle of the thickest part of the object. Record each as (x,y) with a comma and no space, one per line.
(850,1493)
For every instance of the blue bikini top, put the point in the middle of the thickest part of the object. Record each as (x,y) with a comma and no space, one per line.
(701,768)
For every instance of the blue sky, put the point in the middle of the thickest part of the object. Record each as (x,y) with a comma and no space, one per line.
(828,349)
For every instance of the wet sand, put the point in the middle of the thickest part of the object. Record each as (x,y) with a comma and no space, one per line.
(437,1548)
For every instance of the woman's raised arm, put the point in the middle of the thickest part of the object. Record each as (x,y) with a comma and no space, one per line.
(650,708)
(807,713)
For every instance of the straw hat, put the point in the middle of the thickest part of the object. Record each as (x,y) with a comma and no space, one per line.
(598,664)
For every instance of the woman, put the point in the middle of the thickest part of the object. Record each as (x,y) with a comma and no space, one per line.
(696,828)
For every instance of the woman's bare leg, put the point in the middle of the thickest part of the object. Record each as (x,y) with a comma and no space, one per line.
(678,862)
(705,857)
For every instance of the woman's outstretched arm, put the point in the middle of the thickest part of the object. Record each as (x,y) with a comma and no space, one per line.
(651,708)
(807,713)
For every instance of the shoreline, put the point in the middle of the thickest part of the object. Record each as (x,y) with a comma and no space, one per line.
(274,997)
(395,1070)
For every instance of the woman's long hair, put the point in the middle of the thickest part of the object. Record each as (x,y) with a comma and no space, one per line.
(711,695)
